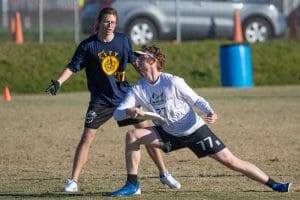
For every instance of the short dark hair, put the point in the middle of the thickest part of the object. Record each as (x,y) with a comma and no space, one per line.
(107,11)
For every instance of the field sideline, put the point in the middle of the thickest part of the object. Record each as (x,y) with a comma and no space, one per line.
(39,134)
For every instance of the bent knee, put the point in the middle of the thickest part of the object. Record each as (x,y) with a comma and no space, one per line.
(131,136)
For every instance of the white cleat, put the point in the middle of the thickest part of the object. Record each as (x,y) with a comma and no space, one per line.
(71,186)
(167,179)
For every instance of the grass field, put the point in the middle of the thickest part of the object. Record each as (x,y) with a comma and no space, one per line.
(39,134)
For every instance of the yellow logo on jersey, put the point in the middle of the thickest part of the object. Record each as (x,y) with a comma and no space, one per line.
(109,63)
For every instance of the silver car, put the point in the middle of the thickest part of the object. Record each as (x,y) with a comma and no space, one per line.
(148,20)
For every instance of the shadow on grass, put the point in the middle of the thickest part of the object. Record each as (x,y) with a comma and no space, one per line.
(52,194)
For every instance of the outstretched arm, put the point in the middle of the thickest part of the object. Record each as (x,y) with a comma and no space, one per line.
(65,75)
(55,84)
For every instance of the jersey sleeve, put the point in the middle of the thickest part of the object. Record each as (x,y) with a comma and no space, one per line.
(131,56)
(77,62)
(129,101)
(192,98)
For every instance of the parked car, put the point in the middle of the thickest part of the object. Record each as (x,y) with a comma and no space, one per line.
(148,20)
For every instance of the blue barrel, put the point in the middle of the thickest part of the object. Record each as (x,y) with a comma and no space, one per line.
(236,67)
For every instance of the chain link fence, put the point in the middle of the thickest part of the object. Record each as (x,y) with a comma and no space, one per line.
(43,20)
(59,20)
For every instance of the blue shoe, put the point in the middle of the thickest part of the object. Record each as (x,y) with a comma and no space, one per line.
(127,190)
(281,187)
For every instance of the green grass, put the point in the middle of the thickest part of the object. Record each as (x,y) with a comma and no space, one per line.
(32,35)
(39,134)
(28,68)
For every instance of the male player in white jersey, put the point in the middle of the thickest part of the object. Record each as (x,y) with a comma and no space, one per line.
(171,98)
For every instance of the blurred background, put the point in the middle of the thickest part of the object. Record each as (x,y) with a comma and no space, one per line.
(58,25)
(56,18)
(60,20)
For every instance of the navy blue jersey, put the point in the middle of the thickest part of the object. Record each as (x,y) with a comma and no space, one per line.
(105,66)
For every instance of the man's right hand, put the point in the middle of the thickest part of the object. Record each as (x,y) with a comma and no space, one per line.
(211,118)
(134,112)
(53,87)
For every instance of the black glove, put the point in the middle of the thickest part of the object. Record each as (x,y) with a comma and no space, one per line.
(53,87)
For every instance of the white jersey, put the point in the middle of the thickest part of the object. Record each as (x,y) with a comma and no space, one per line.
(171,98)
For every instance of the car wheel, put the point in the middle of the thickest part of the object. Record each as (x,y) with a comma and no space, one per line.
(257,30)
(142,31)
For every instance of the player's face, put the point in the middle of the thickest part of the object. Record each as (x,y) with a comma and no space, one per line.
(108,24)
(144,64)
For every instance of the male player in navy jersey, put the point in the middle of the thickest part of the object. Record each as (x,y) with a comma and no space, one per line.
(104,57)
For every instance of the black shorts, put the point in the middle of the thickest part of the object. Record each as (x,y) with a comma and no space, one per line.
(202,142)
(129,121)
(97,115)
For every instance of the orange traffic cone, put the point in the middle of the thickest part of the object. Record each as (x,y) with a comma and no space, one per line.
(13,27)
(18,30)
(6,94)
(238,32)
